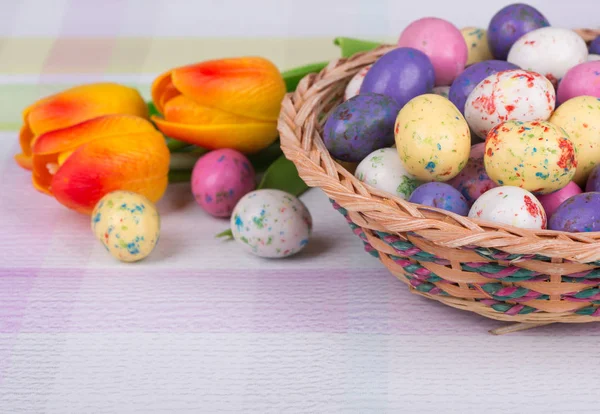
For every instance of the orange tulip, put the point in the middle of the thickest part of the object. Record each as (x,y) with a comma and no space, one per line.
(226,103)
(79,164)
(73,106)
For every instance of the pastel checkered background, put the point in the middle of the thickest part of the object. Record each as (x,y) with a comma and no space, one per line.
(200,326)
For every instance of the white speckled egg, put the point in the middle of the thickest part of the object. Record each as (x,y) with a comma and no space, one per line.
(353,87)
(510,95)
(477,44)
(513,206)
(549,51)
(127,224)
(383,170)
(442,91)
(593,57)
(271,223)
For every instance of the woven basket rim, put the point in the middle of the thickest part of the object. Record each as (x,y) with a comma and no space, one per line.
(301,143)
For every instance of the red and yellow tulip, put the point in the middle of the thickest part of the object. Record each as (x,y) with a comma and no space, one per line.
(90,140)
(226,103)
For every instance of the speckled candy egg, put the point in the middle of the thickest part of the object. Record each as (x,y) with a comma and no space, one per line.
(442,196)
(271,223)
(593,181)
(536,155)
(220,178)
(509,24)
(512,206)
(595,46)
(477,45)
(432,138)
(464,84)
(127,224)
(552,201)
(580,118)
(442,42)
(441,90)
(402,74)
(360,126)
(549,51)
(580,213)
(473,181)
(510,95)
(581,80)
(382,169)
(353,87)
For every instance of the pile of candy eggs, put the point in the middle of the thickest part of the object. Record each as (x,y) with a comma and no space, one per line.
(500,125)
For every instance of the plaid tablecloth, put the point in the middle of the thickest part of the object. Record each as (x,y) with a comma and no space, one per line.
(202,327)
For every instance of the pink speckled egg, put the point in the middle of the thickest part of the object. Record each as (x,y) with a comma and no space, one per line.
(551,201)
(580,80)
(442,42)
(511,95)
(472,181)
(353,87)
(220,179)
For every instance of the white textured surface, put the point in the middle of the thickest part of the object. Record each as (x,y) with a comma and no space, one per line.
(203,328)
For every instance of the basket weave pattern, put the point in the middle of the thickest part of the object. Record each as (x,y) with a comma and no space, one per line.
(498,271)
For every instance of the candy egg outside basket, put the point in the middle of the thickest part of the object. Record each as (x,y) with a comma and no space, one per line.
(530,278)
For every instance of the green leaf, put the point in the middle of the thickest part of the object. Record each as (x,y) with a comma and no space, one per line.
(283,175)
(263,159)
(293,77)
(153,111)
(351,46)
(227,234)
(180,176)
(175,145)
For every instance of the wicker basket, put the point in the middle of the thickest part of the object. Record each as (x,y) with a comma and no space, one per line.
(501,272)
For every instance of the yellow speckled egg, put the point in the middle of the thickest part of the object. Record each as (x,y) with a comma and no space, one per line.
(580,118)
(477,45)
(127,224)
(534,155)
(432,138)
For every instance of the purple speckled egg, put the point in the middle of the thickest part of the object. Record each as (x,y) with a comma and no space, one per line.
(472,181)
(595,46)
(464,84)
(552,201)
(220,179)
(509,24)
(593,180)
(580,80)
(360,125)
(403,73)
(442,196)
(580,213)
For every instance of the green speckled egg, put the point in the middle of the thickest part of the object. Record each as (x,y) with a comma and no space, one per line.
(127,224)
(432,138)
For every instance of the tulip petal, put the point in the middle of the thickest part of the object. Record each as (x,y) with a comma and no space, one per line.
(76,105)
(25,138)
(81,103)
(184,110)
(163,91)
(97,128)
(250,86)
(246,138)
(134,163)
